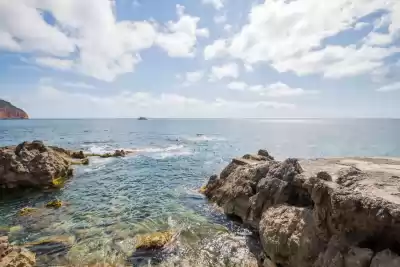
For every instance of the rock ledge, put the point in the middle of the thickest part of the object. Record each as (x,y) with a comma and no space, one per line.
(338,212)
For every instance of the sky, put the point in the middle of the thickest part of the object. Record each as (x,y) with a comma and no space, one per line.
(201,58)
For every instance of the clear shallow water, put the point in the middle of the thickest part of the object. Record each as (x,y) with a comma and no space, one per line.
(111,200)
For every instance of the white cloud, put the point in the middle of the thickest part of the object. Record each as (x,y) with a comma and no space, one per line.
(215,50)
(290,36)
(390,87)
(51,102)
(230,70)
(282,90)
(361,25)
(192,77)
(237,86)
(218,4)
(227,27)
(180,37)
(55,63)
(88,34)
(272,90)
(79,85)
(220,19)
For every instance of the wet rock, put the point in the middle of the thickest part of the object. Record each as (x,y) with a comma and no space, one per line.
(154,240)
(55,204)
(12,256)
(31,164)
(27,211)
(78,155)
(59,245)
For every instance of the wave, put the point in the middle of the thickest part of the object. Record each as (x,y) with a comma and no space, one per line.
(157,149)
(165,155)
(200,138)
(98,142)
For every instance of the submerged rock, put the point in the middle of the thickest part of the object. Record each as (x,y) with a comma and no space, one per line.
(316,213)
(12,256)
(27,211)
(59,245)
(155,240)
(55,204)
(32,164)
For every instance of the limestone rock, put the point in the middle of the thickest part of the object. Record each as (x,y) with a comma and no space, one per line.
(12,256)
(31,165)
(337,212)
(9,111)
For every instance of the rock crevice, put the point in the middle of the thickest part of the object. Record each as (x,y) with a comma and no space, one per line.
(338,212)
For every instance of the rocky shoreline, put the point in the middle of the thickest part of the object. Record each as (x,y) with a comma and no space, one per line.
(337,212)
(35,165)
(342,212)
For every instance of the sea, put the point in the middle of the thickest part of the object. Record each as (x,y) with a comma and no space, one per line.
(110,201)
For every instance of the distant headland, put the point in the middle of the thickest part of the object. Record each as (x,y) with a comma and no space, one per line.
(9,111)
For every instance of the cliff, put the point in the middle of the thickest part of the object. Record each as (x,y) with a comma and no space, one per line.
(9,111)
(339,212)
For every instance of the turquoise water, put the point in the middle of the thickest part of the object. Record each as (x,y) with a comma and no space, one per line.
(111,200)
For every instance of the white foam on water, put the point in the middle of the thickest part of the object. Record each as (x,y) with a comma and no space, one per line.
(165,155)
(205,138)
(157,149)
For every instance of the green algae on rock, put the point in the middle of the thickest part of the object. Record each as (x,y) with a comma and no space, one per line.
(27,211)
(55,204)
(154,240)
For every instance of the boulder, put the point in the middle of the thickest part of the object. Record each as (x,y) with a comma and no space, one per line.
(315,213)
(32,164)
(12,256)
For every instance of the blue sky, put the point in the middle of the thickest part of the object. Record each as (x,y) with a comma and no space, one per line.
(204,58)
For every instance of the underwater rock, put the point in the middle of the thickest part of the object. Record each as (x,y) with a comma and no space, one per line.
(32,165)
(155,240)
(55,204)
(27,211)
(12,256)
(316,213)
(51,245)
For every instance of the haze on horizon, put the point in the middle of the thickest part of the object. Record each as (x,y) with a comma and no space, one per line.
(201,59)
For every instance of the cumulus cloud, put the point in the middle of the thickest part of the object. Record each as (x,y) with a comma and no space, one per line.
(88,35)
(290,35)
(237,86)
(50,102)
(179,39)
(79,85)
(230,70)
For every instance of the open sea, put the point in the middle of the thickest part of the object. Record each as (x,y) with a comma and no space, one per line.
(111,200)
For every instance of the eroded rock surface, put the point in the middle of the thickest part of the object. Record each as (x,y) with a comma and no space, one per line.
(12,256)
(32,164)
(320,213)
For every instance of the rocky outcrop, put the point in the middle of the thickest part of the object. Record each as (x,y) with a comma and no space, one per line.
(32,165)
(12,256)
(9,111)
(340,212)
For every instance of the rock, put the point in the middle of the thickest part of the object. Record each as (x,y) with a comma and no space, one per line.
(59,245)
(316,213)
(155,240)
(12,256)
(9,111)
(32,165)
(27,211)
(265,153)
(385,258)
(78,155)
(288,237)
(142,119)
(55,204)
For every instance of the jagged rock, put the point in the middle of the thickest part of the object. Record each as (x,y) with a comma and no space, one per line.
(31,165)
(9,111)
(288,237)
(12,256)
(316,213)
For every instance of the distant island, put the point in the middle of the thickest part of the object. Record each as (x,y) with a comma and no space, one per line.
(9,111)
(142,119)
